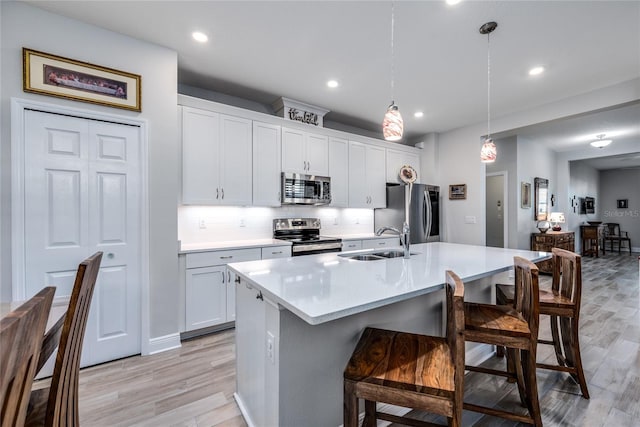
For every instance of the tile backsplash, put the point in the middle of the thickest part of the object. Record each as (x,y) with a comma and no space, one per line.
(201,224)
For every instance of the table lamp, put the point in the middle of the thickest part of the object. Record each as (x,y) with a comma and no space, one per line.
(556,218)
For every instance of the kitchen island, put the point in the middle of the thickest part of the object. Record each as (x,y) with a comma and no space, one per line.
(298,320)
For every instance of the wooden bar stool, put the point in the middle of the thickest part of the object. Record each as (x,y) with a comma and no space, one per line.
(516,328)
(409,370)
(562,305)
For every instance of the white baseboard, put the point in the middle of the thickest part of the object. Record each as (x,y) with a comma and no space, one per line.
(164,343)
(243,410)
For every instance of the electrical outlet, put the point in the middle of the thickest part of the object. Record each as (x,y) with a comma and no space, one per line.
(242,222)
(357,220)
(202,223)
(271,347)
(335,221)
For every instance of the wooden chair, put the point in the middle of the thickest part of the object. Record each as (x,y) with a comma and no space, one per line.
(58,404)
(562,304)
(409,370)
(516,328)
(21,333)
(612,234)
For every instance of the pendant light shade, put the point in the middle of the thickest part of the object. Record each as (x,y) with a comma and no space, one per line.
(392,125)
(489,153)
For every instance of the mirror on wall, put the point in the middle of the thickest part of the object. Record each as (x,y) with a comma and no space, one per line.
(541,191)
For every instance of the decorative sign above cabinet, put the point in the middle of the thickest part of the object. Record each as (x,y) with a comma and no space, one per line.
(299,112)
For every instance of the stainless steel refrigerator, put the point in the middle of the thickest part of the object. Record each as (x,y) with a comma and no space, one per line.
(424,211)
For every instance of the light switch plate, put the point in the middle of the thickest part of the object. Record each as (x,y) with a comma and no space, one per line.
(470,219)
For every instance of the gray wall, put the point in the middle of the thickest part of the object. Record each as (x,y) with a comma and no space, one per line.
(621,184)
(26,26)
(583,181)
(508,161)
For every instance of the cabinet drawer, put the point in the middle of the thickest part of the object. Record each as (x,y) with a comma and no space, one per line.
(380,243)
(276,252)
(204,259)
(351,245)
(543,240)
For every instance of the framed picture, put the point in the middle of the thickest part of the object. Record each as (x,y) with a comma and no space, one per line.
(623,203)
(458,192)
(525,195)
(67,78)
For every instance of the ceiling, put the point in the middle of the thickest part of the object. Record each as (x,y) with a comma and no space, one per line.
(262,50)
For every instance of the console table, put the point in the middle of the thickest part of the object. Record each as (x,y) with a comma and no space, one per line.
(590,236)
(551,239)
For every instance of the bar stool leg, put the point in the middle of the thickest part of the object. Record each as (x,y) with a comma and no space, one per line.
(516,357)
(529,370)
(350,406)
(556,339)
(569,329)
(369,414)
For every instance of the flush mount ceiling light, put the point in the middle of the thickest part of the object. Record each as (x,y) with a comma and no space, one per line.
(600,142)
(536,71)
(332,83)
(453,2)
(418,114)
(392,125)
(199,37)
(488,153)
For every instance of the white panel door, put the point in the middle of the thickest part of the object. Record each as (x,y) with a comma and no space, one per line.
(82,195)
(234,161)
(317,154)
(293,158)
(266,164)
(339,171)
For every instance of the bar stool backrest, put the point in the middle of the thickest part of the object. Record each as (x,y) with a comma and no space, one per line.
(455,328)
(567,274)
(527,300)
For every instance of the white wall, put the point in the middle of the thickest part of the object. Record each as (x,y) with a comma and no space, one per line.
(621,184)
(27,26)
(459,157)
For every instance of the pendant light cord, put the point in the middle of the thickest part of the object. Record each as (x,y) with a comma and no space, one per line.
(392,51)
(488,86)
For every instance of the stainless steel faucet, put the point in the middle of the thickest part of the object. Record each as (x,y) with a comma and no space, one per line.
(404,236)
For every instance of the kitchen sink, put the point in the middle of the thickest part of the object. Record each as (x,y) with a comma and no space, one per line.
(373,256)
(391,254)
(364,257)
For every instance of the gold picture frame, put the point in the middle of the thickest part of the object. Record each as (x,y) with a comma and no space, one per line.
(53,75)
(458,192)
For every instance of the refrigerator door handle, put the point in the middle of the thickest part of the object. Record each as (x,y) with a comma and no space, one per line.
(426,219)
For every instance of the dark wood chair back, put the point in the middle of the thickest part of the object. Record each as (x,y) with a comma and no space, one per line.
(567,274)
(455,330)
(527,300)
(611,229)
(21,333)
(62,404)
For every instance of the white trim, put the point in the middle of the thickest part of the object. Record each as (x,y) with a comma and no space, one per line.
(505,206)
(243,410)
(164,343)
(18,107)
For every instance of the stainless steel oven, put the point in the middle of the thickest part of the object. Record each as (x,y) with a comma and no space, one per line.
(300,189)
(304,235)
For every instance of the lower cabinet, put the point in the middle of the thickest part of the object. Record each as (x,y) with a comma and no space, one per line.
(351,245)
(383,242)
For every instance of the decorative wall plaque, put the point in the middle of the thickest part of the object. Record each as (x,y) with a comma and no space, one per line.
(300,112)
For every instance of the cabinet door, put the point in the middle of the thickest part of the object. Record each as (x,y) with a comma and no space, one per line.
(375,167)
(396,159)
(200,144)
(266,164)
(272,252)
(384,242)
(231,296)
(317,154)
(235,162)
(339,171)
(206,297)
(293,159)
(358,195)
(351,245)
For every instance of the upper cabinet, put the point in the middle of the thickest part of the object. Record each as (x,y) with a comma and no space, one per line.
(339,171)
(366,176)
(305,152)
(266,164)
(397,159)
(216,158)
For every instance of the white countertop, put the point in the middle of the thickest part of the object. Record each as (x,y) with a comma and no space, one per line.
(324,287)
(230,244)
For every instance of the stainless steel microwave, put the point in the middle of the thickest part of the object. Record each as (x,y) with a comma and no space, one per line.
(299,189)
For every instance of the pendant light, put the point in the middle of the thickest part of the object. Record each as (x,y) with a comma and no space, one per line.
(392,125)
(489,152)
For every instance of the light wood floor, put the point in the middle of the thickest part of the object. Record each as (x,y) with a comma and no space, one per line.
(194,385)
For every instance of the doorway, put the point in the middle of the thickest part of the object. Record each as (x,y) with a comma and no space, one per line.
(496,210)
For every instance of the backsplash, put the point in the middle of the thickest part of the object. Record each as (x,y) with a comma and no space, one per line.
(201,224)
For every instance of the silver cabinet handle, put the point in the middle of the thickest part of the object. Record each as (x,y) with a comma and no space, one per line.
(217,193)
(276,253)
(228,277)
(308,166)
(226,257)
(223,193)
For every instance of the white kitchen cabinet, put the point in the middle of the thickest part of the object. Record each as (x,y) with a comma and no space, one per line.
(339,171)
(396,159)
(382,242)
(305,152)
(351,245)
(210,287)
(366,176)
(267,165)
(276,252)
(216,158)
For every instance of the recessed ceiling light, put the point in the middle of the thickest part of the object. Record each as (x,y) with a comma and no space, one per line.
(600,142)
(199,37)
(332,83)
(453,2)
(536,70)
(418,114)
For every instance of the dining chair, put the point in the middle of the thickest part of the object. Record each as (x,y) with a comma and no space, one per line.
(613,234)
(562,304)
(21,333)
(57,405)
(516,328)
(409,370)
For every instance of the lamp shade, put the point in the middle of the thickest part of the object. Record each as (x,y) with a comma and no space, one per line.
(392,125)
(557,217)
(489,152)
